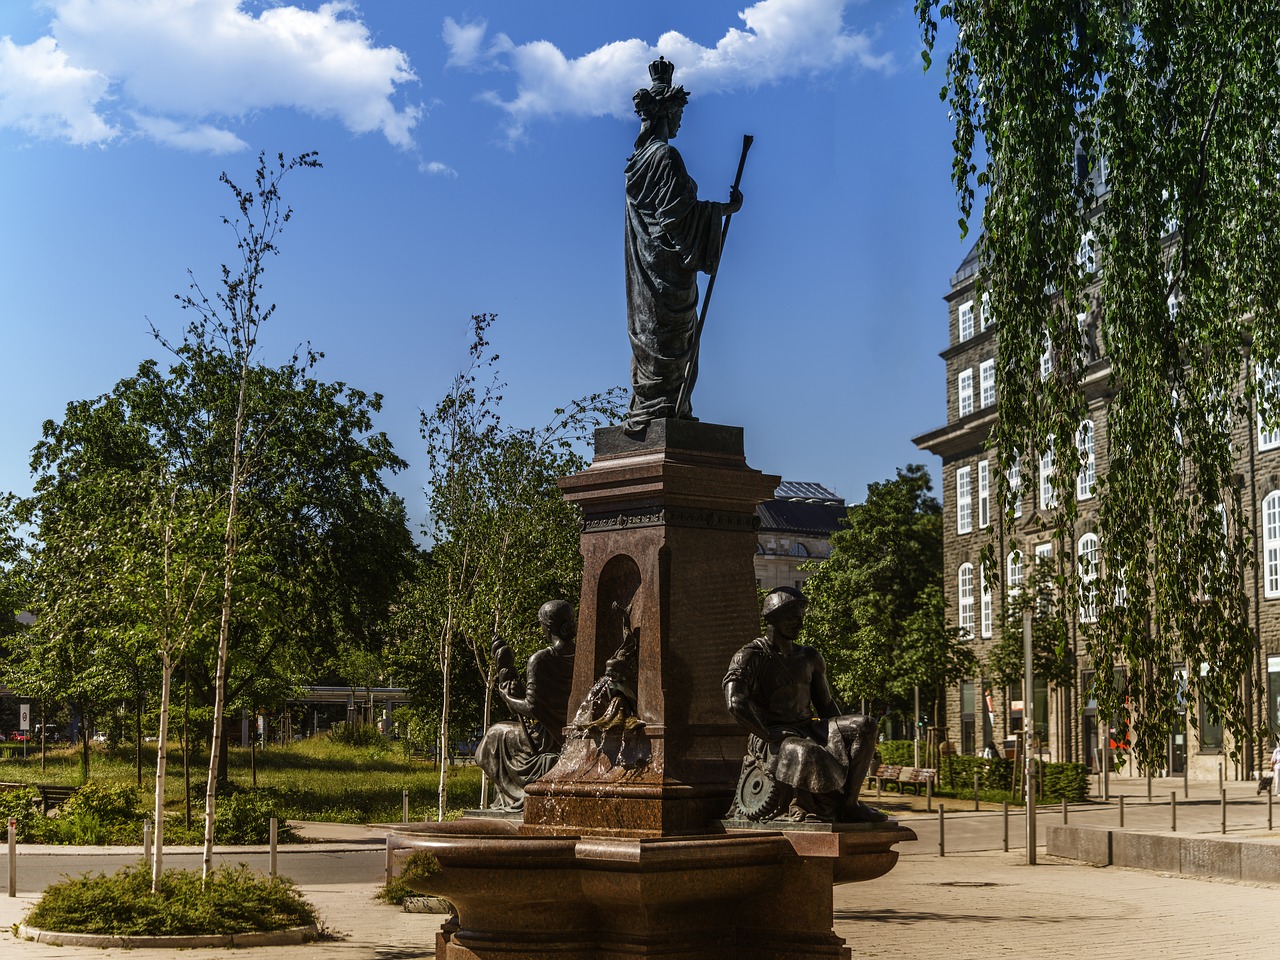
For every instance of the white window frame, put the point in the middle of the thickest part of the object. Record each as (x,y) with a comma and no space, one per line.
(1271,544)
(984,494)
(1015,485)
(1015,576)
(1048,496)
(1267,439)
(1044,551)
(987,383)
(1046,359)
(964,392)
(964,320)
(1087,561)
(1086,255)
(964,584)
(1088,474)
(985,617)
(985,315)
(964,500)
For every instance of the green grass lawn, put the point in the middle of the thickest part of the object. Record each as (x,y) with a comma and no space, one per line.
(315,779)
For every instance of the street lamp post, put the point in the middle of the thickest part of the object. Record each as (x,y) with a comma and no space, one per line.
(1028,728)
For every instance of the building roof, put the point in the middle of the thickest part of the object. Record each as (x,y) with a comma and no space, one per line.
(806,509)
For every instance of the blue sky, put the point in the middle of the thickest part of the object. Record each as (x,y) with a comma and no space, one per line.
(473,157)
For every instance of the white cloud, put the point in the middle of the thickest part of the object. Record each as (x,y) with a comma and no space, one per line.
(781,39)
(192,61)
(44,95)
(463,41)
(438,169)
(199,138)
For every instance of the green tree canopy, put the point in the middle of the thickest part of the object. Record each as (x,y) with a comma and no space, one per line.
(1174,110)
(876,608)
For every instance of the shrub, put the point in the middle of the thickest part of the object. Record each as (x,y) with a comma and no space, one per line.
(244,817)
(418,867)
(236,900)
(1060,781)
(357,735)
(24,807)
(97,815)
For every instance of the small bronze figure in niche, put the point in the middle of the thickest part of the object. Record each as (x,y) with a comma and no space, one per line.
(806,759)
(517,752)
(611,703)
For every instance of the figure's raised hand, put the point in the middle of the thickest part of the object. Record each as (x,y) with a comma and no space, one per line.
(735,200)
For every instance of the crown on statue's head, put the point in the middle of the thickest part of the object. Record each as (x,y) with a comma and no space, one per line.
(661,71)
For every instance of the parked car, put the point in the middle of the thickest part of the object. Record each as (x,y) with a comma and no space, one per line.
(19,736)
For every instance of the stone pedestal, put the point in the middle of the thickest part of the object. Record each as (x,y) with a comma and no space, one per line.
(669,528)
(758,894)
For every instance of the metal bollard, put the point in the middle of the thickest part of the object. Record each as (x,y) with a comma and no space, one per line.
(1269,804)
(1224,811)
(13,856)
(405,803)
(272,841)
(1005,806)
(388,864)
(879,781)
(1173,811)
(1064,809)
(942,828)
(928,795)
(975,792)
(1122,810)
(146,840)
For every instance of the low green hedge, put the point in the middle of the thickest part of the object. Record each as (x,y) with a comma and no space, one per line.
(235,900)
(1060,781)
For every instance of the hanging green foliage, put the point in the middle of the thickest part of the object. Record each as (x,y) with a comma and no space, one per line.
(1128,159)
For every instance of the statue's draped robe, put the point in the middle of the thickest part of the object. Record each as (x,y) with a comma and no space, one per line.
(518,752)
(671,235)
(816,754)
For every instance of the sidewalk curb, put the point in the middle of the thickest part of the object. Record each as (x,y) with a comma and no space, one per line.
(266,938)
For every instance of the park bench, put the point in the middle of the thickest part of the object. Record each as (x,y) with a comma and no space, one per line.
(903,777)
(53,796)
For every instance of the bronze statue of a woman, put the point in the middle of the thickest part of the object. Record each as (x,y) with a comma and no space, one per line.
(671,236)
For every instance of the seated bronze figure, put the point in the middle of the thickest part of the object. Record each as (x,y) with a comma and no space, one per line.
(806,759)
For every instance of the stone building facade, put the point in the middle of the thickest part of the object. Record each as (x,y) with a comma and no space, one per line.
(978,710)
(795,527)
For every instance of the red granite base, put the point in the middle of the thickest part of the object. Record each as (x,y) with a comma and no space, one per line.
(751,895)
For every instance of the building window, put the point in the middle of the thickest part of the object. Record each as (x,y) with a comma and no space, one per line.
(986,604)
(1271,543)
(799,550)
(1210,722)
(987,381)
(1268,386)
(984,494)
(1087,560)
(1015,485)
(964,502)
(985,313)
(966,597)
(1086,258)
(1043,552)
(1088,465)
(966,320)
(1046,359)
(965,386)
(1014,575)
(1048,497)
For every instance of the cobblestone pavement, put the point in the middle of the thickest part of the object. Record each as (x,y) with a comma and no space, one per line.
(976,906)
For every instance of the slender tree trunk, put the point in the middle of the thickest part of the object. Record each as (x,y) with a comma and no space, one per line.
(43,729)
(186,743)
(446,662)
(162,757)
(84,746)
(137,722)
(224,629)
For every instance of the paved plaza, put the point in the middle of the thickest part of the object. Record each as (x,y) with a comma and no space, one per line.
(975,903)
